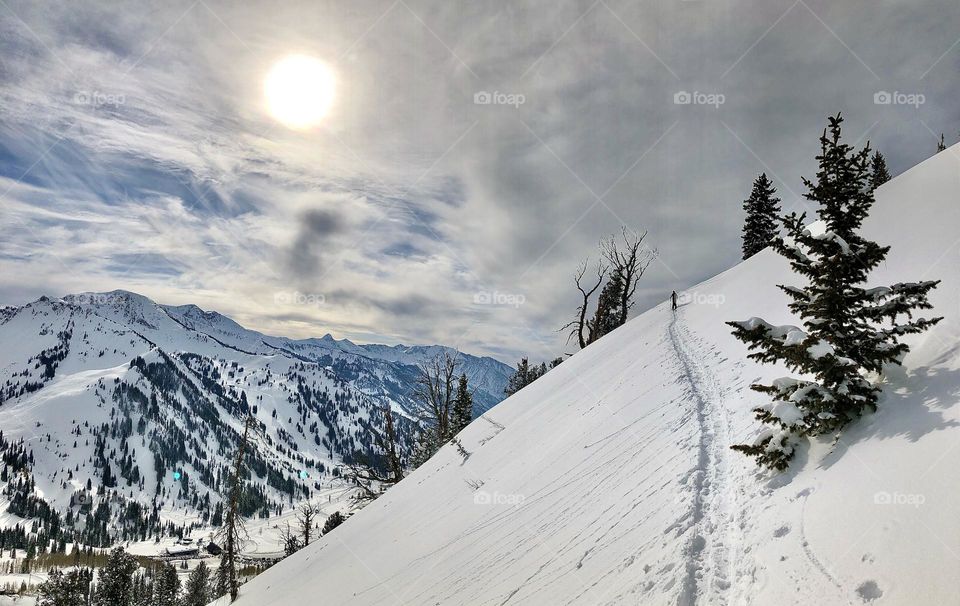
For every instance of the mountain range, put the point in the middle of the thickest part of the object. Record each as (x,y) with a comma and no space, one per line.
(117,411)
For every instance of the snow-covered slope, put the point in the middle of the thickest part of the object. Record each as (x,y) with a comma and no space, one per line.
(610,480)
(111,398)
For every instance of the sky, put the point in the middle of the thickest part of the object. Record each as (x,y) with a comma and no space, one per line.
(474,155)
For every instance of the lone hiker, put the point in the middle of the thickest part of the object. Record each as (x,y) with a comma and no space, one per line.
(673,299)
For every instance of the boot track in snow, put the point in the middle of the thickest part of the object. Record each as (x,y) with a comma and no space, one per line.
(709,561)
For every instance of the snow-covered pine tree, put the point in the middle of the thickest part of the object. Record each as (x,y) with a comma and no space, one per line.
(197,587)
(843,338)
(141,591)
(462,406)
(878,170)
(116,579)
(166,587)
(61,589)
(760,227)
(427,443)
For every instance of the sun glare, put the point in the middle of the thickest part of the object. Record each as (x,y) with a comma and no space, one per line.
(299,91)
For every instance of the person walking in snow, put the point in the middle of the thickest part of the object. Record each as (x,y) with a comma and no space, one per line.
(673,299)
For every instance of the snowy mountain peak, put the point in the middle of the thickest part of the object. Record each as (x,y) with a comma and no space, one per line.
(107,395)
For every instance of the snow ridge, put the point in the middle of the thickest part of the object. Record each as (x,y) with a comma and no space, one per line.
(709,559)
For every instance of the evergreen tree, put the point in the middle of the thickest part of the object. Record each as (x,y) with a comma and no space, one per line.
(197,587)
(425,446)
(760,228)
(68,589)
(116,580)
(370,477)
(462,406)
(519,379)
(842,339)
(166,587)
(879,174)
(527,374)
(335,519)
(142,591)
(607,316)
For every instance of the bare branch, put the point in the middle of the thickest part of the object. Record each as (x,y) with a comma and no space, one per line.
(578,326)
(628,264)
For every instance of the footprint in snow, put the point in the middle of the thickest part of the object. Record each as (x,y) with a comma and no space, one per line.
(869,591)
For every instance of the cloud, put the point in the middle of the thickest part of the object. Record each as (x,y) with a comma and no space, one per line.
(316,230)
(135,151)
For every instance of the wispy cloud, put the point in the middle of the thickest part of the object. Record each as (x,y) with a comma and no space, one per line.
(135,151)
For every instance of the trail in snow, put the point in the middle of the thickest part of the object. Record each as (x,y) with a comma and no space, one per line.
(808,551)
(709,558)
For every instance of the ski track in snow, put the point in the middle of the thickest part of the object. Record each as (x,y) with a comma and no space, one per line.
(709,558)
(811,555)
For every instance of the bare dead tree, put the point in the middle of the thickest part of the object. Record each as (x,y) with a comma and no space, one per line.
(579,326)
(306,514)
(234,532)
(365,477)
(436,392)
(629,264)
(289,540)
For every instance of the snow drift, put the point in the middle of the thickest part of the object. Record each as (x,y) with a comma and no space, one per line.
(611,481)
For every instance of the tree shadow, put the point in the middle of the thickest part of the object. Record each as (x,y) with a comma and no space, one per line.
(911,408)
(801,455)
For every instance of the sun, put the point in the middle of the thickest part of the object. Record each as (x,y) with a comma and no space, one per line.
(299,90)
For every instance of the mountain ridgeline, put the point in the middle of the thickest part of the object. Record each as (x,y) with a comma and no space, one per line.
(116,411)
